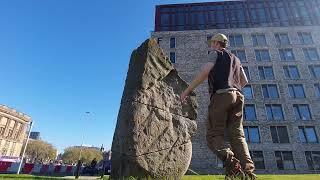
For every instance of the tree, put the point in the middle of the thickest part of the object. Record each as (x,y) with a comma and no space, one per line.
(41,151)
(71,155)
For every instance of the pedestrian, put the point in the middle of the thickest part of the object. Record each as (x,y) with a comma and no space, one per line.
(226,78)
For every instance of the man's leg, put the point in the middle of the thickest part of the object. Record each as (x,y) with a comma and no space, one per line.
(217,121)
(236,134)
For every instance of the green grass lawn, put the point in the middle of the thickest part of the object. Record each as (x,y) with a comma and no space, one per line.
(260,177)
(191,177)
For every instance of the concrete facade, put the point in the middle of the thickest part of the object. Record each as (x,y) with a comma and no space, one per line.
(13,131)
(192,52)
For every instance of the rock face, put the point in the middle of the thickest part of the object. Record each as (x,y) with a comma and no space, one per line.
(154,129)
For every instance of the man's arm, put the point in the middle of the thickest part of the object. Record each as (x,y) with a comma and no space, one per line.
(199,78)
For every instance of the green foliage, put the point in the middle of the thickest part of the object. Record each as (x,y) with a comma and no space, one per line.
(42,151)
(71,155)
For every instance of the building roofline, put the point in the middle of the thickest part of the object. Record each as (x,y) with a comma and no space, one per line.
(14,113)
(198,3)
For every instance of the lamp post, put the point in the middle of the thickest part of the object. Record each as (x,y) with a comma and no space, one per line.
(25,147)
(80,155)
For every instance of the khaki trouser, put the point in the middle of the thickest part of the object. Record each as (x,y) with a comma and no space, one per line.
(225,121)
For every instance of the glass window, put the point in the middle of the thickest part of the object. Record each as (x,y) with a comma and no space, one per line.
(305,37)
(172,42)
(308,134)
(252,133)
(209,38)
(315,71)
(247,91)
(286,54)
(284,160)
(259,40)
(241,54)
(270,91)
(257,157)
(279,134)
(291,72)
(311,54)
(262,55)
(173,57)
(282,39)
(302,111)
(165,19)
(274,112)
(317,89)
(296,91)
(250,112)
(235,40)
(266,72)
(313,159)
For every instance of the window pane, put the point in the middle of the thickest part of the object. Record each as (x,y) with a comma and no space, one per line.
(250,113)
(246,133)
(254,135)
(268,73)
(172,57)
(261,73)
(311,135)
(294,73)
(265,55)
(265,91)
(165,19)
(273,91)
(302,136)
(172,42)
(258,159)
(299,91)
(288,160)
(309,160)
(274,134)
(284,39)
(296,111)
(277,112)
(316,70)
(291,91)
(316,159)
(242,56)
(286,72)
(311,54)
(279,160)
(247,91)
(305,38)
(304,112)
(283,134)
(317,90)
(239,40)
(269,112)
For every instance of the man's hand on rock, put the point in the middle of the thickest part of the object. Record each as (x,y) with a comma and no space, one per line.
(183,96)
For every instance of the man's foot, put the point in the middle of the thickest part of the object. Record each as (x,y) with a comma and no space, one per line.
(234,171)
(251,176)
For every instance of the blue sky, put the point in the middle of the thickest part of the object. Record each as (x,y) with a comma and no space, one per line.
(61,58)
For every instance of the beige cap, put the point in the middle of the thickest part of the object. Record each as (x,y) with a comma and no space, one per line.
(218,37)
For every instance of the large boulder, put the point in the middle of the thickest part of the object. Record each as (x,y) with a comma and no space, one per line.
(154,129)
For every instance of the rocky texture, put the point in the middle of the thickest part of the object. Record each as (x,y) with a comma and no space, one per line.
(154,129)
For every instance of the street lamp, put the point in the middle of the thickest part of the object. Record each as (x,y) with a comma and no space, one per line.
(80,155)
(25,147)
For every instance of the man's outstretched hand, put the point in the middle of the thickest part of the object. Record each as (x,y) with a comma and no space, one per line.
(183,96)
